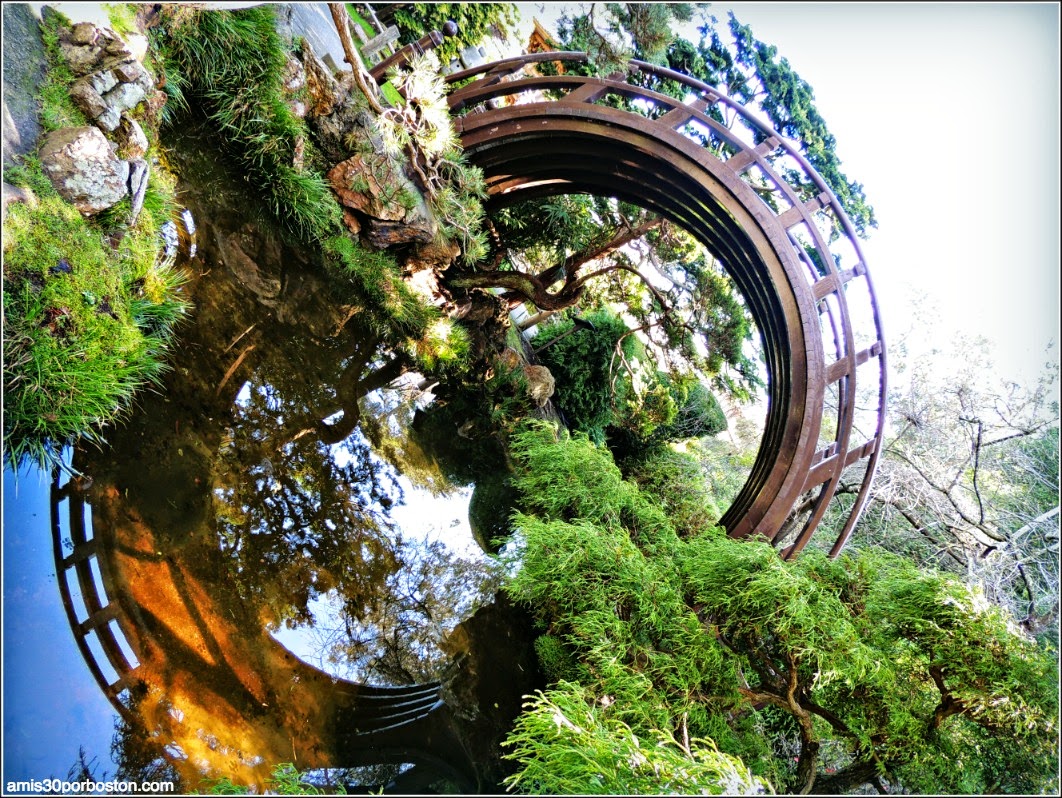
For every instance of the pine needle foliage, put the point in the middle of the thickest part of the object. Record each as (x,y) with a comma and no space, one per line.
(572,745)
(867,669)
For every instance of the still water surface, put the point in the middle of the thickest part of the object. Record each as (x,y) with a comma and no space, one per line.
(277,528)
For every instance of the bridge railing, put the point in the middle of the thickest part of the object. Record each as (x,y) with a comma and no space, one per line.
(821,236)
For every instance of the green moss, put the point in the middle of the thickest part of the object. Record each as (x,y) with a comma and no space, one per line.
(556,660)
(122,17)
(57,109)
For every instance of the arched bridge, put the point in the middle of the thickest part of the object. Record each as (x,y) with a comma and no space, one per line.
(741,190)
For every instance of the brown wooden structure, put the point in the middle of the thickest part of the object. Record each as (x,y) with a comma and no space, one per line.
(795,259)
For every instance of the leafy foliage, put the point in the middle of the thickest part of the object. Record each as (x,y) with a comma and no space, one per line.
(475,22)
(864,669)
(731,59)
(788,101)
(286,780)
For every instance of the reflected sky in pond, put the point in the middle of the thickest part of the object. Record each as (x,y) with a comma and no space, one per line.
(269,501)
(51,703)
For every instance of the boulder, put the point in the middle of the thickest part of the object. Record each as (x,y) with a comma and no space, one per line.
(367,185)
(104,95)
(436,255)
(254,259)
(393,211)
(540,384)
(84,168)
(384,234)
(111,78)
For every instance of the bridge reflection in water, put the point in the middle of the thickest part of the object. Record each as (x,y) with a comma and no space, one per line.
(212,687)
(240,498)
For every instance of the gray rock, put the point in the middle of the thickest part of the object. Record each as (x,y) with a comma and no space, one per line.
(84,169)
(130,70)
(138,185)
(125,96)
(540,384)
(102,81)
(84,34)
(87,98)
(81,60)
(109,119)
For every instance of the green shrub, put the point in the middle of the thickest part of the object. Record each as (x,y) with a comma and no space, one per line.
(569,743)
(591,383)
(866,665)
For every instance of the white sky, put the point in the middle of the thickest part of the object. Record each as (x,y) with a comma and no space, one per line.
(949,116)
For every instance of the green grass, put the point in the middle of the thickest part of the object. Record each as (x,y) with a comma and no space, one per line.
(85,325)
(232,64)
(57,109)
(86,321)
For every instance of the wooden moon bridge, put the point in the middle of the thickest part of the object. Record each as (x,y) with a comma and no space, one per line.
(741,190)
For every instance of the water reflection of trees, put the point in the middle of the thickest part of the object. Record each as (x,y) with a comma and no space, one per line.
(304,515)
(302,518)
(260,485)
(398,639)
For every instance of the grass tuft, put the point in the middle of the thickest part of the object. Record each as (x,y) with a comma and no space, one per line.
(85,326)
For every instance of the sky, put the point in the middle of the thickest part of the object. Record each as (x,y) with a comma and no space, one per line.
(948,114)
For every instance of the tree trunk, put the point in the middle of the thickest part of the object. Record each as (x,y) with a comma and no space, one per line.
(844,781)
(361,76)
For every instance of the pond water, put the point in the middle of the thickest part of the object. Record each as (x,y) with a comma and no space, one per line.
(271,560)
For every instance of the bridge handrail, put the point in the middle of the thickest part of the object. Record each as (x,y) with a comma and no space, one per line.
(829,280)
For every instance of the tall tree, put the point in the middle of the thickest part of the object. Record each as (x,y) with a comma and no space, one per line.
(969,479)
